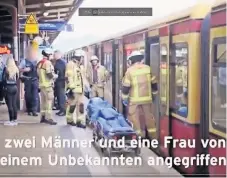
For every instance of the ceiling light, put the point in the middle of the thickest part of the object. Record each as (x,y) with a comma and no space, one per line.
(45,14)
(47,4)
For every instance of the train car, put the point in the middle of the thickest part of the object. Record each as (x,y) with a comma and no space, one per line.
(107,49)
(187,54)
(213,86)
(85,57)
(178,43)
(118,72)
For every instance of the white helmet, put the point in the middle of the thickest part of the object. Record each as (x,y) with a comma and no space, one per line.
(47,52)
(94,58)
(135,53)
(78,53)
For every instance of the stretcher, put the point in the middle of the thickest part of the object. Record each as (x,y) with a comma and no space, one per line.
(107,124)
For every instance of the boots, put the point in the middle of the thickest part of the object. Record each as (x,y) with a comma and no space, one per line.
(11,115)
(50,122)
(72,123)
(42,119)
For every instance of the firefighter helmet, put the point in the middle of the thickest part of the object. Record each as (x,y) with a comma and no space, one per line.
(47,52)
(78,53)
(94,58)
(136,56)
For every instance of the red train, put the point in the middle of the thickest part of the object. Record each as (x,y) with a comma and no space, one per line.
(187,51)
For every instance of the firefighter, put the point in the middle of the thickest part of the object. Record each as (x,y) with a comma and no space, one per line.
(47,76)
(139,88)
(97,77)
(74,84)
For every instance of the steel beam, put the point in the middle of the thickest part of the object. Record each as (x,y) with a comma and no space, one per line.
(37,9)
(31,2)
(13,11)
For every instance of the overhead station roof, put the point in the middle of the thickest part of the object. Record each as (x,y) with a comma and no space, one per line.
(52,10)
(6,31)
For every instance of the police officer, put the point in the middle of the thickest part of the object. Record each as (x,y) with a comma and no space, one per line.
(97,77)
(30,78)
(59,68)
(138,85)
(46,81)
(74,81)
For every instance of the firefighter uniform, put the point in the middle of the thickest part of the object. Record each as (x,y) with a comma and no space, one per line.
(46,75)
(97,77)
(74,84)
(138,86)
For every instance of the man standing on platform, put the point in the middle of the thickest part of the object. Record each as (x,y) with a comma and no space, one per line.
(59,68)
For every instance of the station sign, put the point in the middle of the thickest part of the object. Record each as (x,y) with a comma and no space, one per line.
(4,50)
(31,25)
(49,26)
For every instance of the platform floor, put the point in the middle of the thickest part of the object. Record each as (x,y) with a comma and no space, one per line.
(30,127)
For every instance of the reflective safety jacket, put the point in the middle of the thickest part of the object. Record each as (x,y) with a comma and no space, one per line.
(45,68)
(74,78)
(138,84)
(102,76)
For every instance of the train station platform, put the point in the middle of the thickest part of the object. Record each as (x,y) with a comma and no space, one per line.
(29,128)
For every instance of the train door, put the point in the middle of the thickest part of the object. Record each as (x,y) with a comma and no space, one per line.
(217,87)
(185,87)
(119,74)
(108,63)
(164,123)
(154,50)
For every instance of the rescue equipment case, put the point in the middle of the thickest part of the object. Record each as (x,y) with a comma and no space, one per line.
(107,124)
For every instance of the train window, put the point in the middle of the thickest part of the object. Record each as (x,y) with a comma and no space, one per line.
(120,64)
(105,59)
(179,79)
(163,79)
(219,85)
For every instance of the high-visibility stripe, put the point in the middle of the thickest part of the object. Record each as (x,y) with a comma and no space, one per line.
(140,99)
(141,71)
(74,81)
(163,99)
(151,130)
(43,111)
(125,96)
(135,96)
(43,79)
(126,82)
(149,86)
(138,131)
(153,79)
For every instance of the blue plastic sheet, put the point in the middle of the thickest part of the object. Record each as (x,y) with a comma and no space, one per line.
(95,104)
(104,117)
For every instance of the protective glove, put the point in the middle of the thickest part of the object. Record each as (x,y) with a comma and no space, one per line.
(125,102)
(55,76)
(69,93)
